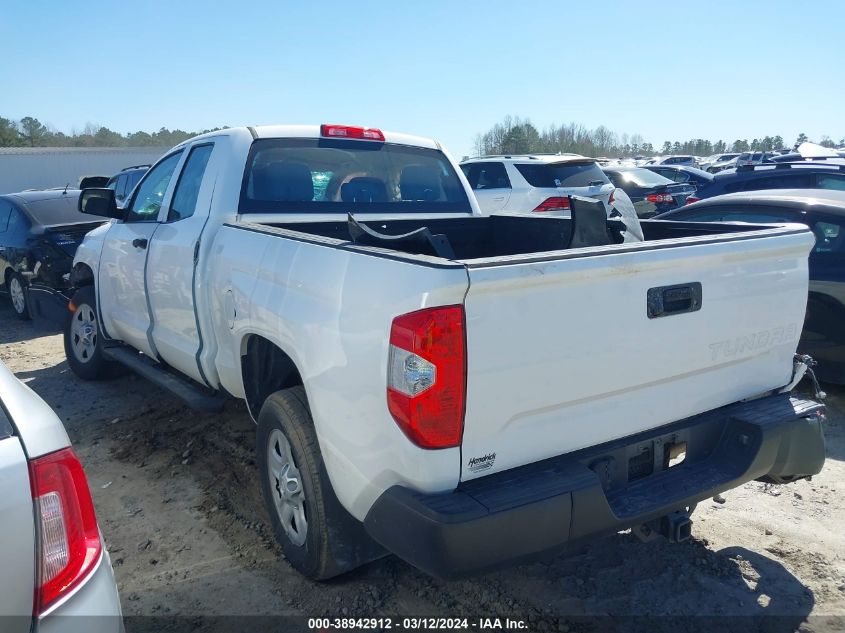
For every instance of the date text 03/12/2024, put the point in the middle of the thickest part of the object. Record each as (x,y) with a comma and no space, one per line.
(413,624)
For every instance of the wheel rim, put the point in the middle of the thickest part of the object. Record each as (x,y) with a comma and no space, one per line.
(17,293)
(83,333)
(286,487)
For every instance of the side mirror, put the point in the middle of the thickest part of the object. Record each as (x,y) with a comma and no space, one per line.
(99,202)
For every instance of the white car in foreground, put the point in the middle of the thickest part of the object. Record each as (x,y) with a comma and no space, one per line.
(55,573)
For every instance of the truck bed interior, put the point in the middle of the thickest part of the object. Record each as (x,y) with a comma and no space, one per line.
(496,235)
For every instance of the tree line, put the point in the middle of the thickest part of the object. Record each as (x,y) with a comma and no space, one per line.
(30,132)
(516,135)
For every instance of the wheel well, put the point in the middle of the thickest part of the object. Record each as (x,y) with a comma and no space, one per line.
(81,275)
(265,369)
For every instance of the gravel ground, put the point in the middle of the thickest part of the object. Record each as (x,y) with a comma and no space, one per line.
(181,511)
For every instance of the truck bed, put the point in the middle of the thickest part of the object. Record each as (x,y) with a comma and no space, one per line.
(502,237)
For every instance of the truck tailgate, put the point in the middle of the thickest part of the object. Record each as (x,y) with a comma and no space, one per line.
(585,346)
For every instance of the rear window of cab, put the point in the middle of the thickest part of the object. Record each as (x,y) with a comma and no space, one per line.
(569,174)
(310,175)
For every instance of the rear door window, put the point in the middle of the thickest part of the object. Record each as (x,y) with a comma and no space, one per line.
(564,174)
(132,180)
(18,224)
(674,174)
(487,175)
(832,181)
(120,188)
(783,181)
(701,216)
(188,186)
(5,210)
(754,215)
(639,178)
(6,428)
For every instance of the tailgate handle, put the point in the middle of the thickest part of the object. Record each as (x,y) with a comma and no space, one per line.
(668,300)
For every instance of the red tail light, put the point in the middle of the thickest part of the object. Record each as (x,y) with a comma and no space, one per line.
(691,199)
(348,131)
(611,199)
(426,375)
(553,204)
(68,538)
(659,198)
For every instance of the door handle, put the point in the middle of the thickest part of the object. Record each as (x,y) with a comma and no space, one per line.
(668,300)
(498,199)
(140,242)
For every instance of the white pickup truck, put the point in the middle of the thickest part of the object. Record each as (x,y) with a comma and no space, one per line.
(462,391)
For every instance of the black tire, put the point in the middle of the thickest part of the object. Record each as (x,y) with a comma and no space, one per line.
(91,365)
(15,283)
(334,541)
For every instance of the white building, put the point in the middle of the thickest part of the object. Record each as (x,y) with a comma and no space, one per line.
(44,167)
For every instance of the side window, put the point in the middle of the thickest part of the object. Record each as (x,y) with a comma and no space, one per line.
(785,181)
(17,223)
(120,188)
(487,176)
(493,176)
(704,216)
(830,237)
(615,178)
(5,210)
(148,198)
(188,186)
(132,180)
(764,216)
(833,181)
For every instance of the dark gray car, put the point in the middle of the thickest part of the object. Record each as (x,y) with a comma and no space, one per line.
(39,234)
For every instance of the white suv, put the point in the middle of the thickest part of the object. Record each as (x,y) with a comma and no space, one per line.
(535,182)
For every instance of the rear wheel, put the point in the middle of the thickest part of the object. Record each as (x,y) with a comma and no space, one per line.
(319,537)
(17,294)
(83,342)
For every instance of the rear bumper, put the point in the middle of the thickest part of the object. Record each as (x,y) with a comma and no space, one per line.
(544,507)
(94,607)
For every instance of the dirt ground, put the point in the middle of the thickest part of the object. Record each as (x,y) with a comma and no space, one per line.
(180,508)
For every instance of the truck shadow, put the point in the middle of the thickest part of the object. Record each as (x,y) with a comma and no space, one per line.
(621,584)
(15,330)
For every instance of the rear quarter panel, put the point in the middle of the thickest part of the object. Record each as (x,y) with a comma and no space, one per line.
(330,310)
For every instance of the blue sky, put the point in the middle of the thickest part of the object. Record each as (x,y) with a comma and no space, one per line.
(451,69)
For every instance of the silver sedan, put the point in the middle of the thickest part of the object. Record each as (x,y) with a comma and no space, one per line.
(55,573)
